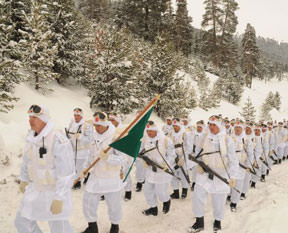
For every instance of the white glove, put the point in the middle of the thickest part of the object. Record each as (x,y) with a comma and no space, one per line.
(232,183)
(103,155)
(22,186)
(180,162)
(56,206)
(200,170)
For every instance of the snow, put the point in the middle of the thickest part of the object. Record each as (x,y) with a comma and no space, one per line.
(264,211)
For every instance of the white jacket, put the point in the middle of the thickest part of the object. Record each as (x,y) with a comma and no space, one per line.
(166,149)
(105,175)
(50,178)
(213,143)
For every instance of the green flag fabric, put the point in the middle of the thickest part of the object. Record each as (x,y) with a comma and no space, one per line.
(131,143)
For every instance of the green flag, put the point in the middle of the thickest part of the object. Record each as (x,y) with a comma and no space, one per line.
(131,143)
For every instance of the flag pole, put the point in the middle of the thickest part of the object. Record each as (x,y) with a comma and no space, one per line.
(154,101)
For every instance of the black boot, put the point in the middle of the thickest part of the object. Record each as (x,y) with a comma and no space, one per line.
(92,228)
(242,197)
(114,228)
(197,226)
(267,172)
(228,198)
(175,194)
(253,184)
(262,179)
(128,195)
(86,178)
(216,226)
(233,207)
(139,186)
(102,198)
(193,186)
(77,185)
(151,211)
(279,161)
(184,193)
(166,207)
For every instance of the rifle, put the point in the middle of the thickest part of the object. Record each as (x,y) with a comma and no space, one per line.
(248,168)
(212,173)
(152,163)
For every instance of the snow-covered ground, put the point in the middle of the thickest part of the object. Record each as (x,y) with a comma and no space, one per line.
(264,211)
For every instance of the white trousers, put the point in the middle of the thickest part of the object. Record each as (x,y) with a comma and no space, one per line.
(79,166)
(280,152)
(175,183)
(153,192)
(113,200)
(128,185)
(140,171)
(235,196)
(199,199)
(255,178)
(246,182)
(194,173)
(24,225)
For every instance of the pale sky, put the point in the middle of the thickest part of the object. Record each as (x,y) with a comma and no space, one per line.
(268,17)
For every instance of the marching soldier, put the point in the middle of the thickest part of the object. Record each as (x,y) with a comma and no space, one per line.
(218,154)
(183,143)
(161,151)
(47,175)
(79,132)
(105,176)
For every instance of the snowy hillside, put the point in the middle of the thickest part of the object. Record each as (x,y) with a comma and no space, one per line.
(264,211)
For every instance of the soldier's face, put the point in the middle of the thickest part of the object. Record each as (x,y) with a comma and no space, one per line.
(257,132)
(227,126)
(248,131)
(100,128)
(199,129)
(264,130)
(176,128)
(36,124)
(151,133)
(238,131)
(214,129)
(77,118)
(169,122)
(185,122)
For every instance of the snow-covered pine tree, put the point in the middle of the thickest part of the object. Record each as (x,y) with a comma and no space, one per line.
(230,86)
(112,85)
(9,75)
(211,22)
(248,111)
(70,35)
(228,50)
(250,55)
(267,106)
(145,18)
(277,101)
(203,100)
(38,52)
(184,30)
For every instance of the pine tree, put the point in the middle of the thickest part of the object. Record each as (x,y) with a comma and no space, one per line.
(70,35)
(250,55)
(230,86)
(204,100)
(145,18)
(277,101)
(9,74)
(184,30)
(227,52)
(267,106)
(37,50)
(248,111)
(112,85)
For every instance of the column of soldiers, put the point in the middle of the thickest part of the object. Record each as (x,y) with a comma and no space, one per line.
(223,158)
